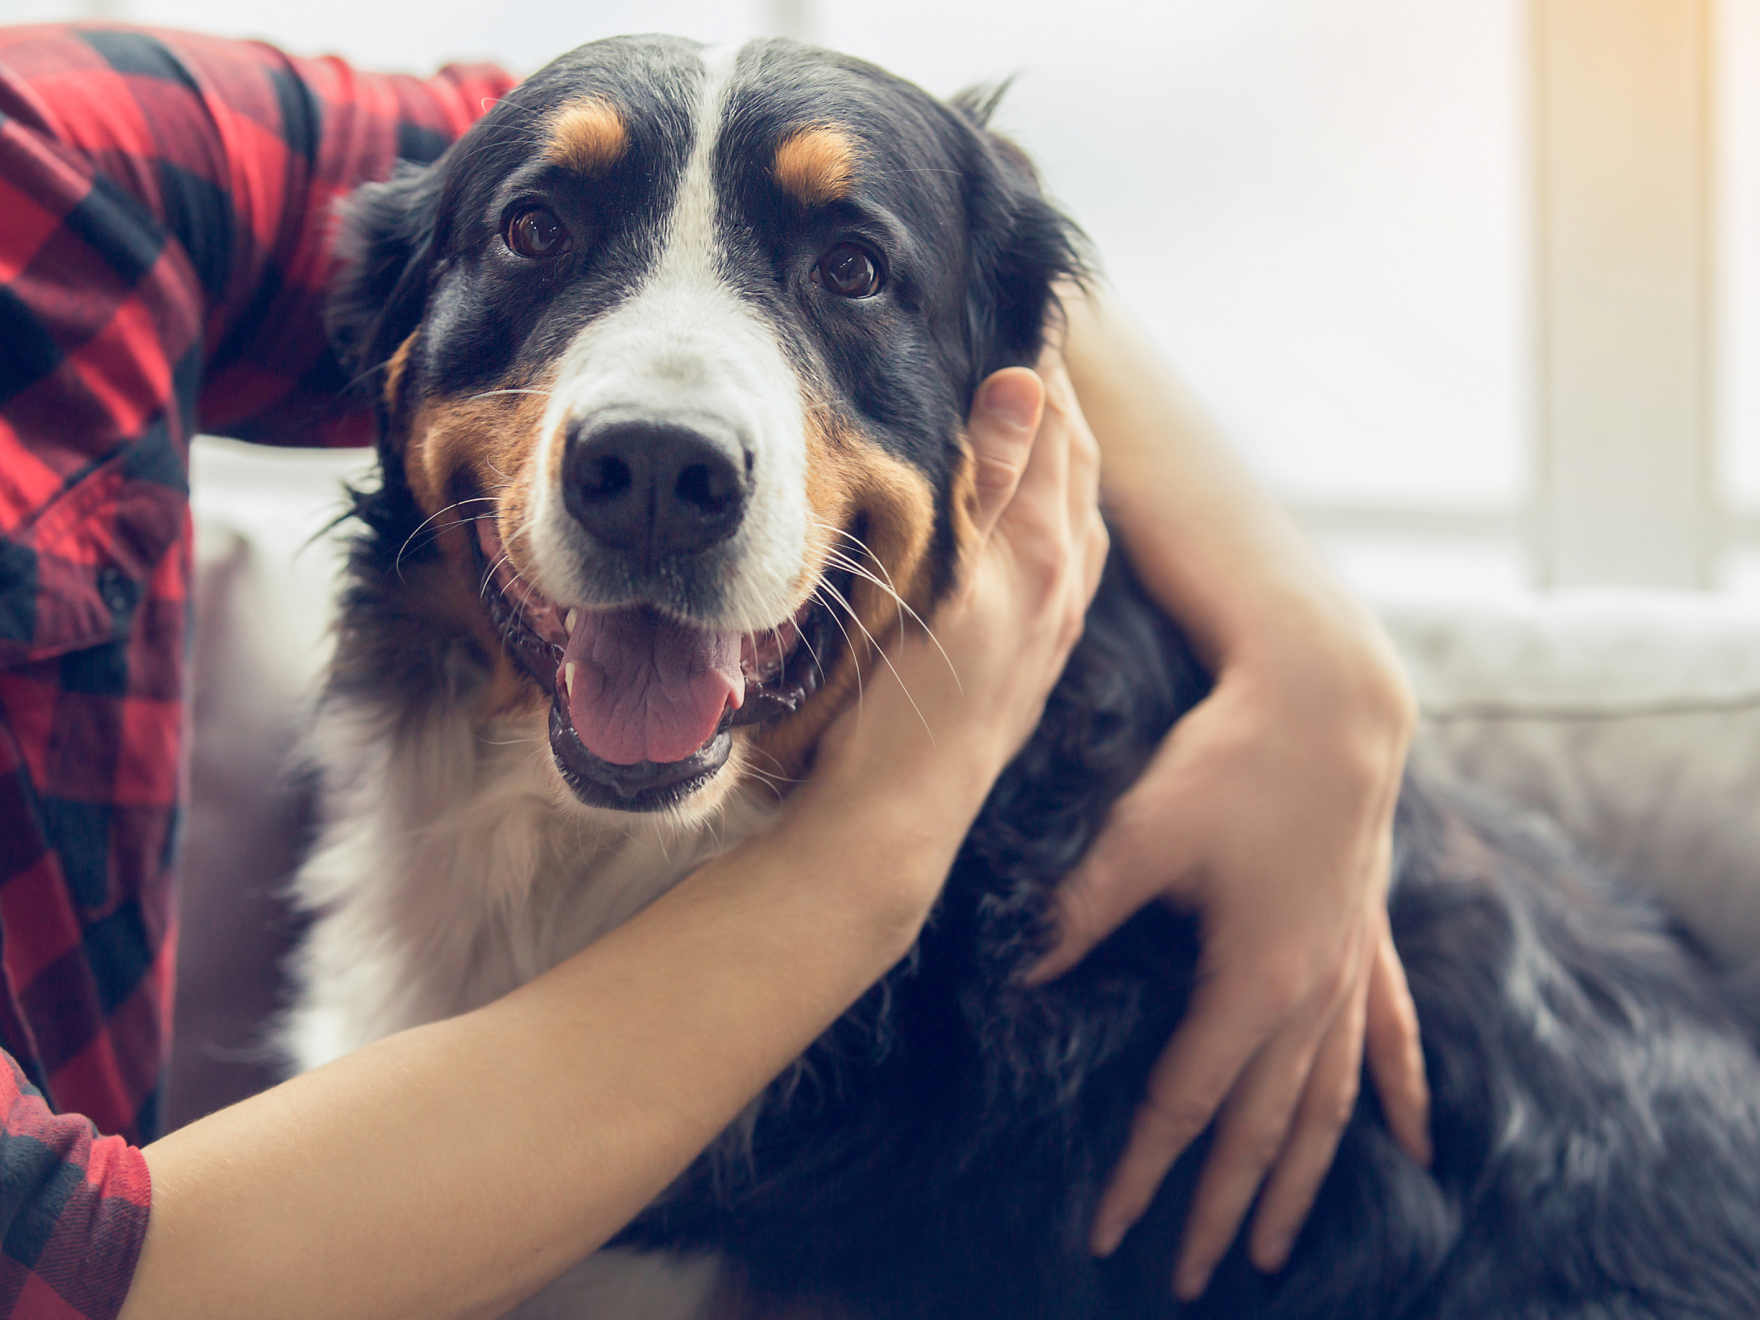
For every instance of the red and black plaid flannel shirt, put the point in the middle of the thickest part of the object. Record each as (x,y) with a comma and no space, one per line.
(165,227)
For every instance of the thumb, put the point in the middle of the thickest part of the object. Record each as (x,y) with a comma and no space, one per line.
(1005,417)
(1134,859)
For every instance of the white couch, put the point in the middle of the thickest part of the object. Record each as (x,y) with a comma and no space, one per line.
(1633,719)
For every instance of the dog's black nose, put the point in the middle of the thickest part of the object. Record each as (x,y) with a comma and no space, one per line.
(653,489)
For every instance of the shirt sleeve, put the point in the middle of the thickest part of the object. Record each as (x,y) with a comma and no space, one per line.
(73,1210)
(237,154)
(167,226)
(166,236)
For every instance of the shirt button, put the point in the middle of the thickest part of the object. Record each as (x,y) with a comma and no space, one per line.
(113,586)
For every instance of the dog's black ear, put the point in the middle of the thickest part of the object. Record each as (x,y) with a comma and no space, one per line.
(1021,246)
(387,245)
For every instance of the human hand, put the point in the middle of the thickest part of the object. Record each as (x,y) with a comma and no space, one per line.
(1267,810)
(976,688)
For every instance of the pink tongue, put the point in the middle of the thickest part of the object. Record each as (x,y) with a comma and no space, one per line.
(647,688)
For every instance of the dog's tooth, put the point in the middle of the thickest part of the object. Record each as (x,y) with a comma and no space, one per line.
(568,679)
(569,622)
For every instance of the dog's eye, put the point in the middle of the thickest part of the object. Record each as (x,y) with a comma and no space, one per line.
(536,233)
(848,271)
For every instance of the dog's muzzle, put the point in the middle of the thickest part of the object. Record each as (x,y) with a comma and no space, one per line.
(643,703)
(647,491)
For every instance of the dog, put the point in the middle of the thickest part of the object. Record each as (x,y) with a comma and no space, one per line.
(671,355)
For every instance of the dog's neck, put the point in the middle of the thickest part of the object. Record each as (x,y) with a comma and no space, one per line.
(491,869)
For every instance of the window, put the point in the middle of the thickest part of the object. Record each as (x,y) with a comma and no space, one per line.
(1738,250)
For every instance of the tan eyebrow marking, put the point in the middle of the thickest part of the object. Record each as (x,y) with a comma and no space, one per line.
(588,137)
(816,165)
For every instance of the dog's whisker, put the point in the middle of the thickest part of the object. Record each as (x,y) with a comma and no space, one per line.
(885,659)
(905,612)
(526,596)
(506,557)
(905,608)
(490,394)
(848,641)
(397,562)
(806,641)
(771,778)
(439,529)
(489,576)
(772,783)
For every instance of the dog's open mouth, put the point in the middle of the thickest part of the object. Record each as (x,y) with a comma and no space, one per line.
(642,704)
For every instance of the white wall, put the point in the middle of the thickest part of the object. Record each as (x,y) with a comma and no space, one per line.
(418,38)
(1319,206)
(1316,203)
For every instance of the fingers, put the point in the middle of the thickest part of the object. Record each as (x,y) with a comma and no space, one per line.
(1328,1102)
(1189,1082)
(1085,519)
(1111,883)
(1285,1111)
(1105,890)
(1005,416)
(1062,409)
(1146,849)
(1396,1052)
(1038,501)
(1052,525)
(1252,1131)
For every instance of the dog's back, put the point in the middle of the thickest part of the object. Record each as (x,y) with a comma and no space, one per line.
(1595,1090)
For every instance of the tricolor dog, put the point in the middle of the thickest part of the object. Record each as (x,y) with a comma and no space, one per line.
(672,354)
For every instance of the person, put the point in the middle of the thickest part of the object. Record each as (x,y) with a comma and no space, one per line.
(164,243)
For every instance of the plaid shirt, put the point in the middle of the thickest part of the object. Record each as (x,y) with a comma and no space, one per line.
(165,238)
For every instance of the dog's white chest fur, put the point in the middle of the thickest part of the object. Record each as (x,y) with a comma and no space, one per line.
(451,873)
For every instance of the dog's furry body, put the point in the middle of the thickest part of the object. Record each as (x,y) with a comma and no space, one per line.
(940,1152)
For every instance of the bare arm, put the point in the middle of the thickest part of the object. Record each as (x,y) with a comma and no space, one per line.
(451,1170)
(1267,810)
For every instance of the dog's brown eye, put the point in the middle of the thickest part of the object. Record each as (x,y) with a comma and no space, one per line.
(848,271)
(536,233)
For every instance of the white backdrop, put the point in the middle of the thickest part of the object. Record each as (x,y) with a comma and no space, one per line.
(1317,205)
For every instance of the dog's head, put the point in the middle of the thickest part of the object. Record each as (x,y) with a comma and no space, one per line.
(674,351)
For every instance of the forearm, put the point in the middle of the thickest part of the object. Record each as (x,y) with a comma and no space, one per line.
(453,1169)
(1212,547)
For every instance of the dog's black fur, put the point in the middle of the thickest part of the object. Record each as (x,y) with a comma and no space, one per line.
(1595,1086)
(1595,1091)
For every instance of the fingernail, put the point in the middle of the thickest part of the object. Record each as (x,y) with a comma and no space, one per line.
(1190,1281)
(1009,397)
(1276,1256)
(1106,1238)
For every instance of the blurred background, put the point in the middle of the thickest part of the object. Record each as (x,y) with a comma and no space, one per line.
(1474,284)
